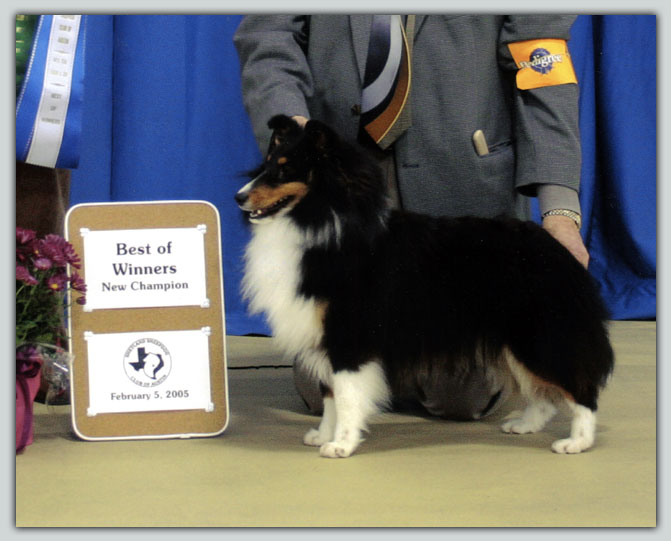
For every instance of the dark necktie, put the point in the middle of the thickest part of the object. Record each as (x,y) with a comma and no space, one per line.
(385,111)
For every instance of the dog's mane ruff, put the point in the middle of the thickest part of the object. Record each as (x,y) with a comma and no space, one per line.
(271,283)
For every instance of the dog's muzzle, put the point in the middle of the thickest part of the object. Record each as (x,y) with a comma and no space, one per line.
(242,197)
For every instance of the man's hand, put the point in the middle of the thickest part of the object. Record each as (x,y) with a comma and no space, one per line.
(564,230)
(302,121)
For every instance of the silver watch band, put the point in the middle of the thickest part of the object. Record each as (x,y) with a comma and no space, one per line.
(565,212)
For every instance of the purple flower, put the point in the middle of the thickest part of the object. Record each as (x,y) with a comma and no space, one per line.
(77,283)
(42,263)
(41,280)
(24,250)
(59,251)
(42,249)
(23,275)
(57,282)
(24,236)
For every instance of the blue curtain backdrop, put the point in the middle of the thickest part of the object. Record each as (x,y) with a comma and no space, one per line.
(163,120)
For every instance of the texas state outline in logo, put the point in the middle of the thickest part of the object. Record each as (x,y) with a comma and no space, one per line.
(147,362)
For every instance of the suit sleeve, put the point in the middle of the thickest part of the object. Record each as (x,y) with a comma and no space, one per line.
(276,78)
(547,136)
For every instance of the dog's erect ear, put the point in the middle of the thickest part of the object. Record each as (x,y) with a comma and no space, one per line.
(283,127)
(320,135)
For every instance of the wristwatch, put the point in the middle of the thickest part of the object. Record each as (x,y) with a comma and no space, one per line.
(565,212)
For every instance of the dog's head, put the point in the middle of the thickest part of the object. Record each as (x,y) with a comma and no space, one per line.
(309,163)
(283,180)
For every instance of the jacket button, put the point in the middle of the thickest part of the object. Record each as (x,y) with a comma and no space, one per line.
(356,109)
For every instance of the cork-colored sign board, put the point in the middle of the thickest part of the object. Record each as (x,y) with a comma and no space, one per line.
(149,344)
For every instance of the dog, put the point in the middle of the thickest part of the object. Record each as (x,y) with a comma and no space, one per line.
(368,298)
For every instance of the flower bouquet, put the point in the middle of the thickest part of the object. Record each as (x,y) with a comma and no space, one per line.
(42,282)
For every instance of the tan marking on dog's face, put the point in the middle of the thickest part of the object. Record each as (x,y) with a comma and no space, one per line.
(263,197)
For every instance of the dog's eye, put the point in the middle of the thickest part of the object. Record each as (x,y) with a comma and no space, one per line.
(285,169)
(286,174)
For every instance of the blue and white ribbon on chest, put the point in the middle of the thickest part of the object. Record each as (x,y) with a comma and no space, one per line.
(49,105)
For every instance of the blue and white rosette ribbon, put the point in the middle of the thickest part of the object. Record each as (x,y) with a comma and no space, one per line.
(49,105)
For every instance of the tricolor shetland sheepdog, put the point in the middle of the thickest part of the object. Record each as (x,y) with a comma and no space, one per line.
(367,298)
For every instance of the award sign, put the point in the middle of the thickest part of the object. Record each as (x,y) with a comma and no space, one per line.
(148,344)
(145,268)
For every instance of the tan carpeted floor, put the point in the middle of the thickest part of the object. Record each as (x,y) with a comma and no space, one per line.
(412,471)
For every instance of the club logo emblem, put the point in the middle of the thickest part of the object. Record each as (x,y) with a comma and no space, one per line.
(147,362)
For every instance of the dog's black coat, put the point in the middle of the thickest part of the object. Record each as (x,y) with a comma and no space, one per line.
(411,290)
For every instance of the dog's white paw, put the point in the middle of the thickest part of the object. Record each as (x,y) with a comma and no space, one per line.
(334,449)
(571,446)
(519,426)
(314,438)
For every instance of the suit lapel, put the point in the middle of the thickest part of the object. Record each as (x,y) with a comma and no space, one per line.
(360,25)
(419,22)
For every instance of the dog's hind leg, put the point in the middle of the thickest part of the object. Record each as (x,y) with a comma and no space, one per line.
(534,418)
(356,396)
(538,411)
(583,429)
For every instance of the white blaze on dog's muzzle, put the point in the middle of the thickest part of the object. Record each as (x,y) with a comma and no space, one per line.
(242,197)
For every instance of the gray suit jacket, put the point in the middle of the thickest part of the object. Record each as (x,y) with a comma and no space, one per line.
(463,80)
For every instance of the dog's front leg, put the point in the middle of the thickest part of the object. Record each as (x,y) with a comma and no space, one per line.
(318,436)
(356,396)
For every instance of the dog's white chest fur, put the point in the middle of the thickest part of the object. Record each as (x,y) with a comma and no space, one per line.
(272,274)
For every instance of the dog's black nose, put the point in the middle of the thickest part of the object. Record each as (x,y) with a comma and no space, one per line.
(241,198)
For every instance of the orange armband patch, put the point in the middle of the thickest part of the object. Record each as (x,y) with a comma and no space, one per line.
(542,62)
